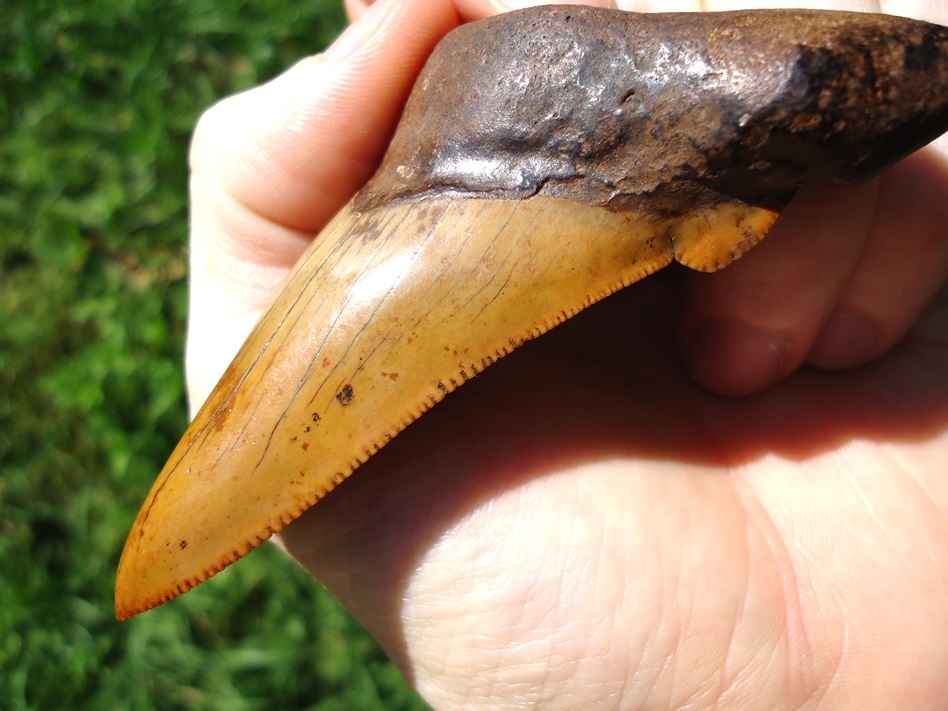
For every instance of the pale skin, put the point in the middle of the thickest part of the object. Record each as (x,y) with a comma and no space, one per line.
(590,523)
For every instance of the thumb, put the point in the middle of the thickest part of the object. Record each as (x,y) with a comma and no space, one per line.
(270,166)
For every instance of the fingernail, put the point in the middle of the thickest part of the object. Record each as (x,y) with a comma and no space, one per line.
(734,358)
(847,339)
(359,31)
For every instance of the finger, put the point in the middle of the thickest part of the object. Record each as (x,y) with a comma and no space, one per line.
(850,5)
(281,149)
(470,10)
(902,266)
(270,167)
(754,323)
(355,8)
(927,10)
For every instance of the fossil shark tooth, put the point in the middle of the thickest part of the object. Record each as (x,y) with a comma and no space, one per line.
(545,159)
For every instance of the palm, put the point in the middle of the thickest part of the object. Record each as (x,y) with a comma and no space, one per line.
(586,492)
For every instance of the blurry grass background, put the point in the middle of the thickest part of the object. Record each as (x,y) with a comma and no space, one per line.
(97,102)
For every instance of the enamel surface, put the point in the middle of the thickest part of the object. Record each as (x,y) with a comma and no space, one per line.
(388,312)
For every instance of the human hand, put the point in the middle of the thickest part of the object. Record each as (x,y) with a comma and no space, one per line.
(583,525)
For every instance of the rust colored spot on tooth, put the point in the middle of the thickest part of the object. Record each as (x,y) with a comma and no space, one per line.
(346,395)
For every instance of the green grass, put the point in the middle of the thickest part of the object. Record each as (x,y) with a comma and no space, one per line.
(97,102)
